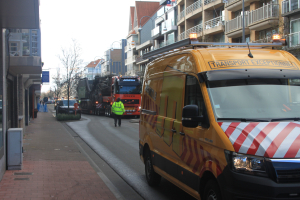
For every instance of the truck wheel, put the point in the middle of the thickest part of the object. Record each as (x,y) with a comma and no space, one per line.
(212,191)
(152,177)
(105,112)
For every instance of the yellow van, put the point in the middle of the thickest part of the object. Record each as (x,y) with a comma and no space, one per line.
(223,123)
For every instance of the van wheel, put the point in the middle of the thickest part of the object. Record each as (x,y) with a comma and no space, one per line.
(152,177)
(212,191)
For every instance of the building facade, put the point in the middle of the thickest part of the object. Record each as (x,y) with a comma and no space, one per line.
(114,60)
(93,69)
(20,67)
(290,10)
(139,16)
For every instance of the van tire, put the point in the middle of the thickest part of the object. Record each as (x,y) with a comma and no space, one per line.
(212,191)
(152,177)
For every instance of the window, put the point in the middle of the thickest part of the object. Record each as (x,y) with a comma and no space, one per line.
(13,47)
(193,95)
(295,29)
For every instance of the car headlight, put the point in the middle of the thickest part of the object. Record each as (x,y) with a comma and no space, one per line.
(247,164)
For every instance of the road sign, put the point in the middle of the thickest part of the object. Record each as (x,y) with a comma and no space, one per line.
(45,77)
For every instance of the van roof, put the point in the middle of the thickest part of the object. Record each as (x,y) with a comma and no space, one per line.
(233,58)
(237,58)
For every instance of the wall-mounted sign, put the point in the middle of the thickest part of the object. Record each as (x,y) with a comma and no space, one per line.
(45,77)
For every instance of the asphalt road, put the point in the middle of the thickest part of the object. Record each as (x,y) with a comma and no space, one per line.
(115,151)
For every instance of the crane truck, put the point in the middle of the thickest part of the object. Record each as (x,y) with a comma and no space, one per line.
(97,96)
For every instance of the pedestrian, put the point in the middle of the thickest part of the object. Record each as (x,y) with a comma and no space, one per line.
(118,110)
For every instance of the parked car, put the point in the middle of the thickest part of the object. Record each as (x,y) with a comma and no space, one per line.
(62,107)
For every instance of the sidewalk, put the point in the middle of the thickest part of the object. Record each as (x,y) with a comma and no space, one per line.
(53,167)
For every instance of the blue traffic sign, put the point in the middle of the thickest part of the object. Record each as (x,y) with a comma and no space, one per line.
(45,77)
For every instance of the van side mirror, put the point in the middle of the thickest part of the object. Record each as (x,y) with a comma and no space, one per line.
(190,116)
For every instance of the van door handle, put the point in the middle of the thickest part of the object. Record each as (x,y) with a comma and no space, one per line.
(181,133)
(173,130)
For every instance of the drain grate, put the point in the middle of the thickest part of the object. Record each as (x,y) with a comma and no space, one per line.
(21,179)
(22,173)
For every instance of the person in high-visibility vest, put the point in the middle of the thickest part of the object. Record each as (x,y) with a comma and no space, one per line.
(118,110)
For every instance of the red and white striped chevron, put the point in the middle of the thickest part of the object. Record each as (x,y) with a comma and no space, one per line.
(98,105)
(268,139)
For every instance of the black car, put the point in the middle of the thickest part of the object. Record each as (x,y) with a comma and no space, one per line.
(62,107)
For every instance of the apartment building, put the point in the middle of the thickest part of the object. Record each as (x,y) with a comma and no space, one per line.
(137,18)
(290,10)
(20,67)
(221,21)
(115,59)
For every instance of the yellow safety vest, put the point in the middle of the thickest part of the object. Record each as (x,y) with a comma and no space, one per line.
(118,108)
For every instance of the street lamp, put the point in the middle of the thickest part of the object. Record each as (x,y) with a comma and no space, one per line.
(140,28)
(113,44)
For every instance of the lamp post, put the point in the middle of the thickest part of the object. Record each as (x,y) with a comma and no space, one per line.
(164,29)
(113,44)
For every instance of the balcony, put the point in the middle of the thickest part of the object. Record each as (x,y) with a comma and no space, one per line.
(214,25)
(234,27)
(196,29)
(211,4)
(290,7)
(155,32)
(182,36)
(170,25)
(130,60)
(145,45)
(194,10)
(160,19)
(180,18)
(234,5)
(25,52)
(264,17)
(140,60)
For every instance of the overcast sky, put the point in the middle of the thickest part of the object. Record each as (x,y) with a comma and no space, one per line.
(95,24)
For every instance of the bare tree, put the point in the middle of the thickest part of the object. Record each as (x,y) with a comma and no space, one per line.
(71,61)
(57,83)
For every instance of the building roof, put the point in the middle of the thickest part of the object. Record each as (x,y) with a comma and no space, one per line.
(145,8)
(92,65)
(132,16)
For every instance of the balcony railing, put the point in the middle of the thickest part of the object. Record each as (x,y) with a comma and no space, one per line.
(285,7)
(230,2)
(193,7)
(290,5)
(236,23)
(181,15)
(181,36)
(155,31)
(196,29)
(208,1)
(215,22)
(265,12)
